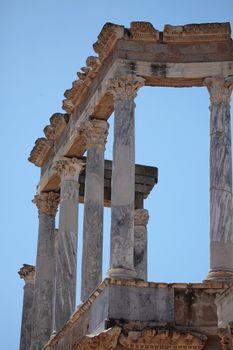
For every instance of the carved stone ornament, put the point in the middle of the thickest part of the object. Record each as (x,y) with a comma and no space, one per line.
(47,202)
(40,151)
(141,217)
(58,122)
(68,106)
(107,39)
(197,32)
(226,339)
(159,340)
(219,89)
(144,31)
(125,87)
(95,132)
(69,168)
(106,340)
(27,272)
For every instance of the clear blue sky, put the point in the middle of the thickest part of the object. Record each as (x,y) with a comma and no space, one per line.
(43,44)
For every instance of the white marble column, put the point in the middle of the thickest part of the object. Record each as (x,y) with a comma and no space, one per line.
(45,270)
(141,218)
(95,132)
(27,272)
(221,235)
(66,260)
(123,177)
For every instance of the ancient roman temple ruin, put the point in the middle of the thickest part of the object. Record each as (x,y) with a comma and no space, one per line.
(125,311)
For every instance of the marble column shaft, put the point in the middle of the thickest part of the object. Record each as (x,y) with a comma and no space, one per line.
(45,270)
(66,245)
(141,218)
(221,235)
(95,132)
(123,177)
(27,272)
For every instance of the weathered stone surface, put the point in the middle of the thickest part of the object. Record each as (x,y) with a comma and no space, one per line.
(27,272)
(197,32)
(224,303)
(92,254)
(221,237)
(144,31)
(66,258)
(141,218)
(43,305)
(123,190)
(40,151)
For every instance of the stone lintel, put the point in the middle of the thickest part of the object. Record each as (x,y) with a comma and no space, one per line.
(203,32)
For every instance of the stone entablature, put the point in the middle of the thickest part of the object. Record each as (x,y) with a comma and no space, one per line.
(149,56)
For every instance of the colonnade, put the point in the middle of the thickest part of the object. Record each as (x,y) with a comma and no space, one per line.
(55,279)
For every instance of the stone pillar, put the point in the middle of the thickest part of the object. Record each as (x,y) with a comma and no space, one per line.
(95,132)
(141,218)
(27,272)
(123,177)
(45,270)
(221,235)
(66,262)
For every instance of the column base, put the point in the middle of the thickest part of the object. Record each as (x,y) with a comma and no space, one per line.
(121,273)
(219,276)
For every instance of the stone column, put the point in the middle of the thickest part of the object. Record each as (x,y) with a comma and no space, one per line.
(66,262)
(45,270)
(27,272)
(141,218)
(123,177)
(221,235)
(95,132)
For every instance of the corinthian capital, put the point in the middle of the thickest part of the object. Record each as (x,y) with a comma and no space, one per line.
(47,202)
(69,168)
(219,89)
(141,217)
(125,87)
(27,272)
(95,132)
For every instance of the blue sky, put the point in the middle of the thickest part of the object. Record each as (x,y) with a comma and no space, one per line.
(43,44)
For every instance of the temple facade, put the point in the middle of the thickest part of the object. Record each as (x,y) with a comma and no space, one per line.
(125,310)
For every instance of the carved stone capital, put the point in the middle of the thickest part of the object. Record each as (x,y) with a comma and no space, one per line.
(47,202)
(125,87)
(219,89)
(27,272)
(141,217)
(226,339)
(95,132)
(69,168)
